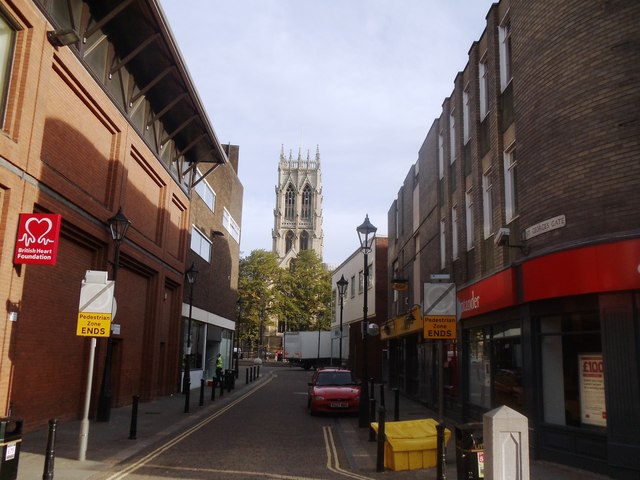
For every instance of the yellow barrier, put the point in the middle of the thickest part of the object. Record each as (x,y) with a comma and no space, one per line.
(411,444)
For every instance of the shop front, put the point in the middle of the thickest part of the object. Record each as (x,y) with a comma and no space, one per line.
(557,338)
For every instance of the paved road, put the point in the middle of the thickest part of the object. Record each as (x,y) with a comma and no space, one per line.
(263,434)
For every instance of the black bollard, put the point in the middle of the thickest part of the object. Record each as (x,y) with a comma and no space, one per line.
(251,375)
(229,379)
(382,395)
(372,418)
(213,389)
(381,440)
(246,382)
(50,456)
(201,392)
(133,428)
(258,372)
(442,455)
(396,409)
(187,400)
(221,380)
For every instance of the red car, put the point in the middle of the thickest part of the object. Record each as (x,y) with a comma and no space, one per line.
(333,390)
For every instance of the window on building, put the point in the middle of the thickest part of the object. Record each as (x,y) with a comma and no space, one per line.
(307,203)
(352,285)
(504,37)
(290,203)
(466,114)
(304,241)
(452,137)
(230,225)
(7,46)
(454,232)
(443,244)
(572,370)
(360,281)
(440,156)
(370,276)
(483,72)
(487,205)
(289,241)
(205,192)
(470,225)
(479,367)
(510,183)
(200,244)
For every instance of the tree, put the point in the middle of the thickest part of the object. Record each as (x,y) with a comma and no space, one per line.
(259,300)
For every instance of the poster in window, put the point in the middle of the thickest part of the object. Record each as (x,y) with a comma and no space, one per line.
(593,409)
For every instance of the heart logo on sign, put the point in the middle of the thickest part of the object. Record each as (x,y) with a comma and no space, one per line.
(36,230)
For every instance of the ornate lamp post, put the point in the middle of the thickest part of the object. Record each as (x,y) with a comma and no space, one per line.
(192,275)
(366,234)
(118,226)
(342,289)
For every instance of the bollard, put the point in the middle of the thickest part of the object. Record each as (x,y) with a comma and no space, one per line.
(251,375)
(382,395)
(246,382)
(381,440)
(258,372)
(221,380)
(133,428)
(201,392)
(50,455)
(213,389)
(442,454)
(372,418)
(187,398)
(396,408)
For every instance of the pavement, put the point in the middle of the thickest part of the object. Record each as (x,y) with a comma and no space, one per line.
(109,443)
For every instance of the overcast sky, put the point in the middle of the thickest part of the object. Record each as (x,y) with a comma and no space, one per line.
(362,79)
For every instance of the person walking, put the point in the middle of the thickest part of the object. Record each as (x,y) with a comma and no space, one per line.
(219,367)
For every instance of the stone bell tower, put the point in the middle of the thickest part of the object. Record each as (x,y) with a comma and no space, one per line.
(298,212)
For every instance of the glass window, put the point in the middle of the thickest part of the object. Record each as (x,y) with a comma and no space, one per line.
(452,136)
(469,219)
(205,192)
(7,43)
(289,241)
(352,283)
(479,368)
(484,87)
(304,241)
(360,281)
(443,244)
(487,204)
(230,225)
(200,244)
(307,202)
(454,232)
(504,35)
(466,114)
(441,156)
(507,361)
(572,370)
(290,203)
(510,185)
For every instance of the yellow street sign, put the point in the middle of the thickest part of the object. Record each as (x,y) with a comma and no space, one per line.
(91,324)
(440,327)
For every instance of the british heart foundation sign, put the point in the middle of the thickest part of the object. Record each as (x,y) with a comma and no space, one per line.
(37,241)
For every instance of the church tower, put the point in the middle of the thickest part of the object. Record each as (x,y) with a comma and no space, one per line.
(298,212)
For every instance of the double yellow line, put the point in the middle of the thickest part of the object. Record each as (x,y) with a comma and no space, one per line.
(333,462)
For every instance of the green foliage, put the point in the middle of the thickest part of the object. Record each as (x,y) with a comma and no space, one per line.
(299,297)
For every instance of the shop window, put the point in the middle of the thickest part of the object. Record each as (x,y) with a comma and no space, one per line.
(572,370)
(479,368)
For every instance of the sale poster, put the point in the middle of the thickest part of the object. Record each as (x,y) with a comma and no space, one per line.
(593,409)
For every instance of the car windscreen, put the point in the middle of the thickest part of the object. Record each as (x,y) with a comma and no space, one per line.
(334,378)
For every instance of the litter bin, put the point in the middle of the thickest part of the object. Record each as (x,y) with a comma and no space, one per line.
(10,440)
(469,451)
(230,379)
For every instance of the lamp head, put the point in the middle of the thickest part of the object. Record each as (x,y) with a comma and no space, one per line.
(366,233)
(118,226)
(192,273)
(342,285)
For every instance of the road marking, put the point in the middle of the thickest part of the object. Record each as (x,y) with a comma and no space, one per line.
(244,474)
(333,463)
(156,453)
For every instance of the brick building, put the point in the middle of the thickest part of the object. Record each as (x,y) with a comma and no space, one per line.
(526,193)
(99,114)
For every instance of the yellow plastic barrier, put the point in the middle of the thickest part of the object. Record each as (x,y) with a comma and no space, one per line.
(411,444)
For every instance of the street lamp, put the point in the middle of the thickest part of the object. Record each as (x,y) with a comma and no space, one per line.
(118,226)
(342,289)
(366,234)
(192,275)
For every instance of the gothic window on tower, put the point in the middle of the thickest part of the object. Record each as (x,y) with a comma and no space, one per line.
(289,241)
(290,203)
(307,197)
(304,241)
